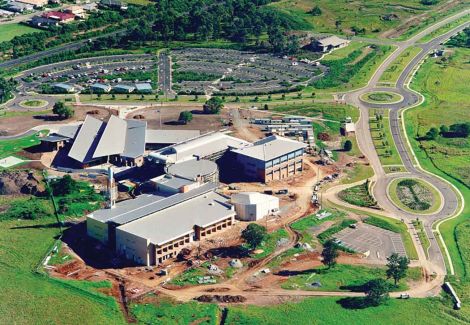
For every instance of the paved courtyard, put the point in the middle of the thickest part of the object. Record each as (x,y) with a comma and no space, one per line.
(375,242)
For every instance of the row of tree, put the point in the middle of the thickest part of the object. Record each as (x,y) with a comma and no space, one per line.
(457,130)
(6,88)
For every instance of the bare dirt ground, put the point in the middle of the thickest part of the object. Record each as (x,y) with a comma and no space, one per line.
(21,123)
(169,118)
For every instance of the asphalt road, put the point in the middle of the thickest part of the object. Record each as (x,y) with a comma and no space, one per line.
(448,196)
(164,74)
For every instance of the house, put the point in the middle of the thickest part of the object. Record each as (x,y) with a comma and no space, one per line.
(61,17)
(143,88)
(59,138)
(64,88)
(113,4)
(90,7)
(348,128)
(78,11)
(100,88)
(42,22)
(252,206)
(272,158)
(123,89)
(34,3)
(329,43)
(20,7)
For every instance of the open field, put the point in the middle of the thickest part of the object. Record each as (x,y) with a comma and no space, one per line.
(344,277)
(10,147)
(423,199)
(328,310)
(390,76)
(374,17)
(382,137)
(9,31)
(446,86)
(42,299)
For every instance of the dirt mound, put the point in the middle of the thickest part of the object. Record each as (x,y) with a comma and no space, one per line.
(221,298)
(20,182)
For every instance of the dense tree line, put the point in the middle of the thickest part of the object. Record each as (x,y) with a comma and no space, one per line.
(462,39)
(6,88)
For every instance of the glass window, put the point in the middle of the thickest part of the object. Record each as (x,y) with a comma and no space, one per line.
(283,158)
(291,155)
(276,161)
(268,164)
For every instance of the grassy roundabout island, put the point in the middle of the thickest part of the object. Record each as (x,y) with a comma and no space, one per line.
(34,103)
(381,97)
(414,195)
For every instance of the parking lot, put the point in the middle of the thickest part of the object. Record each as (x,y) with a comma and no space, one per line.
(242,73)
(375,242)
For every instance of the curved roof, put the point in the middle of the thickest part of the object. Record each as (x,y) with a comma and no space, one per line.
(191,169)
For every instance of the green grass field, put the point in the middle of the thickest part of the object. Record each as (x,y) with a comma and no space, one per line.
(10,147)
(304,225)
(390,76)
(370,15)
(31,298)
(358,195)
(8,31)
(383,141)
(444,29)
(446,86)
(344,277)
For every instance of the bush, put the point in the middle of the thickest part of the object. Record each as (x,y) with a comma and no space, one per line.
(347,145)
(254,235)
(186,117)
(213,105)
(31,209)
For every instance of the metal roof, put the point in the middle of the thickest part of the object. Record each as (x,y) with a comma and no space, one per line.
(332,41)
(179,220)
(113,139)
(63,86)
(69,131)
(270,148)
(143,86)
(191,169)
(124,87)
(252,198)
(135,139)
(87,139)
(143,205)
(54,138)
(173,181)
(170,136)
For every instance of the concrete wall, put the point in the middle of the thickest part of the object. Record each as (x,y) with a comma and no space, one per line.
(97,229)
(253,212)
(133,247)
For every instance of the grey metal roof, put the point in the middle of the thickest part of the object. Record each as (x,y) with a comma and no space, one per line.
(332,41)
(113,139)
(104,87)
(124,87)
(54,138)
(87,139)
(178,220)
(144,205)
(174,182)
(170,136)
(270,148)
(63,86)
(69,131)
(191,169)
(143,86)
(135,139)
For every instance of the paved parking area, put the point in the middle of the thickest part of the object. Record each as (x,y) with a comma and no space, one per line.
(380,243)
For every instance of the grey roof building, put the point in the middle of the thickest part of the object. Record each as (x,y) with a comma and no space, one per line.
(144,87)
(167,137)
(64,87)
(123,89)
(270,148)
(87,140)
(100,88)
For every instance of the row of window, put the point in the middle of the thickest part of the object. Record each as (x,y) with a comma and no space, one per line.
(284,158)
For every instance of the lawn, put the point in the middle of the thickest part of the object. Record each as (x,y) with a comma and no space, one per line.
(445,83)
(10,147)
(390,76)
(9,31)
(344,277)
(154,310)
(304,225)
(328,310)
(374,17)
(358,173)
(382,138)
(30,298)
(444,29)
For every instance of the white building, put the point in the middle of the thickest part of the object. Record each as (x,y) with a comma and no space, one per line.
(252,206)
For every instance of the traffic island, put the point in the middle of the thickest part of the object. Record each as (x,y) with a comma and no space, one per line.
(414,196)
(381,97)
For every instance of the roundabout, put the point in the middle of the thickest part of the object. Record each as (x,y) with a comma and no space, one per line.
(34,103)
(414,196)
(381,97)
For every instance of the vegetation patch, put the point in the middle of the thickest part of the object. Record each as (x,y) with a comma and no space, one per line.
(179,76)
(382,137)
(414,195)
(423,238)
(271,242)
(327,234)
(358,195)
(381,97)
(33,103)
(10,147)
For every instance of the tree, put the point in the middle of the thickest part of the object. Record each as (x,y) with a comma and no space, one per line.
(315,11)
(330,253)
(62,110)
(432,134)
(186,117)
(377,292)
(213,105)
(254,235)
(266,107)
(397,267)
(347,145)
(443,129)
(63,186)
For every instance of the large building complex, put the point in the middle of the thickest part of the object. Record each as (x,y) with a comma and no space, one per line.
(272,158)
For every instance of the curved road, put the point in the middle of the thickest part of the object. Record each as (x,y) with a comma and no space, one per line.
(410,98)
